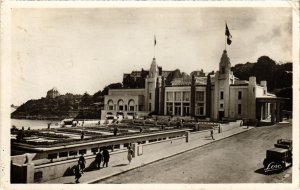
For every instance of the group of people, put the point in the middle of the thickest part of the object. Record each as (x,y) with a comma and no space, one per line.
(102,155)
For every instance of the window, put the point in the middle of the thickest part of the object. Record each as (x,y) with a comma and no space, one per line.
(169,96)
(200,96)
(177,108)
(82,151)
(221,95)
(186,109)
(186,96)
(200,109)
(240,95)
(169,108)
(221,105)
(121,105)
(63,154)
(110,105)
(52,156)
(239,109)
(94,150)
(73,153)
(150,107)
(177,96)
(131,105)
(150,96)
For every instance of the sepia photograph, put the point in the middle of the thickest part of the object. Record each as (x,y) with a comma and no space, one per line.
(152,95)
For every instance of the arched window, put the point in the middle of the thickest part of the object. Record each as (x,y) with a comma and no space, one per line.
(110,104)
(121,105)
(131,105)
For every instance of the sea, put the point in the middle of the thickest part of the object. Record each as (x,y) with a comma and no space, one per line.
(33,124)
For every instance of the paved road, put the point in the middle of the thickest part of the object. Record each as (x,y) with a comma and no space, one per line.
(237,159)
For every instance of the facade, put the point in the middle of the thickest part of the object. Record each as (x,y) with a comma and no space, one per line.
(213,96)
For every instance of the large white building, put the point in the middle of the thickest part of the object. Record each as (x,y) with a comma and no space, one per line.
(215,96)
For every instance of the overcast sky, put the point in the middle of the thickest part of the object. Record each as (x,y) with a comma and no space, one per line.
(82,50)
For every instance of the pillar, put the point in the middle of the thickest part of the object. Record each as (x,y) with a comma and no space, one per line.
(193,94)
(30,173)
(134,147)
(277,112)
(187,136)
(264,111)
(272,113)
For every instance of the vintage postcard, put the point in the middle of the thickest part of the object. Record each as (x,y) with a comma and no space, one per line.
(150,95)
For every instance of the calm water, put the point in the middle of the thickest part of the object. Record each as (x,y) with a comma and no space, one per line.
(33,124)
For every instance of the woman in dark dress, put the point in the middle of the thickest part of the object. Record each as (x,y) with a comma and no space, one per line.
(106,156)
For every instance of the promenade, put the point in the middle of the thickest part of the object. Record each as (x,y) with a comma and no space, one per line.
(120,166)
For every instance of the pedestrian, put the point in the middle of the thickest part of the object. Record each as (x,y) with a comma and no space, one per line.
(106,156)
(178,124)
(82,162)
(82,135)
(212,134)
(98,159)
(77,172)
(116,130)
(169,122)
(141,129)
(181,123)
(130,154)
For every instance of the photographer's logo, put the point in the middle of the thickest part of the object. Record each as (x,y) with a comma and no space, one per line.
(273,166)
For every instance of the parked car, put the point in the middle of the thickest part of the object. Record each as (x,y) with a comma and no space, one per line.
(280,157)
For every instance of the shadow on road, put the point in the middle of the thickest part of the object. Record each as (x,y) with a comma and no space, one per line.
(119,165)
(262,171)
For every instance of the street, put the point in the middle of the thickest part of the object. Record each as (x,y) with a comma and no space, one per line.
(237,159)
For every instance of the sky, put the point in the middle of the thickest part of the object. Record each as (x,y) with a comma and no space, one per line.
(83,50)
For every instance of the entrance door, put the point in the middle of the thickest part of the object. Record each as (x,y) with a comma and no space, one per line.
(221,115)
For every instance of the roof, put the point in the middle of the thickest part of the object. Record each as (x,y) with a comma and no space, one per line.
(280,150)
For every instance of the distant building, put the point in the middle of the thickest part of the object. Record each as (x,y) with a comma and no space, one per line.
(215,96)
(53,93)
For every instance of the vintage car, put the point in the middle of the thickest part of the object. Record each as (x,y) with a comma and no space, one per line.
(280,157)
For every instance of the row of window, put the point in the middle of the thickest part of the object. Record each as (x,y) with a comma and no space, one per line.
(184,110)
(239,108)
(239,95)
(184,96)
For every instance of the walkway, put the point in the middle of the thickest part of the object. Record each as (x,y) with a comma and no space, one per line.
(122,166)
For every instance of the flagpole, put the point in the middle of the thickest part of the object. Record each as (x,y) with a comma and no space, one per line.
(225,35)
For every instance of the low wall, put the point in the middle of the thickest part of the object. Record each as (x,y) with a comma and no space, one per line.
(200,134)
(159,145)
(231,125)
(54,170)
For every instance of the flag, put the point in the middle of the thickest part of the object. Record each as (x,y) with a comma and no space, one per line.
(227,33)
(154,40)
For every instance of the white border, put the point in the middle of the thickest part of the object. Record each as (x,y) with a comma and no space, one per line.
(5,92)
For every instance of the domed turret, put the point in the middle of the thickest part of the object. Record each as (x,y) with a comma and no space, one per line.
(225,64)
(153,69)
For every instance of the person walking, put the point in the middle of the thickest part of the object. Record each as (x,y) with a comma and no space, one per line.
(82,135)
(77,172)
(82,162)
(129,154)
(106,156)
(212,134)
(116,130)
(98,159)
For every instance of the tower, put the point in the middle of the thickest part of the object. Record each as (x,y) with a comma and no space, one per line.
(223,79)
(152,82)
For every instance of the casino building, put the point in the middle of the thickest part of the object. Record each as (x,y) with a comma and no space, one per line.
(214,96)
